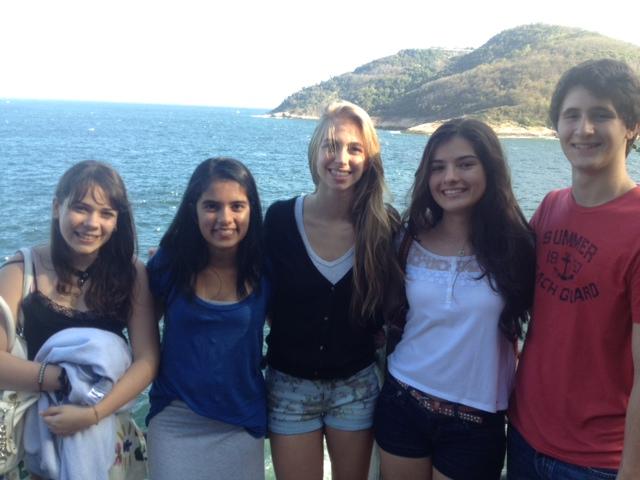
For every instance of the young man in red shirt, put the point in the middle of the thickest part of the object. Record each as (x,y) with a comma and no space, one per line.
(575,411)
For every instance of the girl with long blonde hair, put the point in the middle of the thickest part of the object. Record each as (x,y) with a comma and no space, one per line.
(331,255)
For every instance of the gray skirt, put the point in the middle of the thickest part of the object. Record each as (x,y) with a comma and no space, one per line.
(184,445)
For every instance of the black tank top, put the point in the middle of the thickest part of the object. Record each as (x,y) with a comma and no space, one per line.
(43,318)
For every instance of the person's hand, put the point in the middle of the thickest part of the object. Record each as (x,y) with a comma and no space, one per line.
(66,420)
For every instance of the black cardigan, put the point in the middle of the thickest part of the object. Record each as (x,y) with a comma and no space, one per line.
(312,335)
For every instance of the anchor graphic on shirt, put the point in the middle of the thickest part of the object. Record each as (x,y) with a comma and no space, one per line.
(565,274)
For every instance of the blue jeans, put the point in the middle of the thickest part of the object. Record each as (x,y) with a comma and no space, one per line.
(525,463)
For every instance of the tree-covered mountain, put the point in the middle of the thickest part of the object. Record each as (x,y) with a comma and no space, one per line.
(373,85)
(509,79)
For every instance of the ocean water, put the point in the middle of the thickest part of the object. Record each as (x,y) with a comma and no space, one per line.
(155,148)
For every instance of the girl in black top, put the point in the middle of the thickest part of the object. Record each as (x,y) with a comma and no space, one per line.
(86,276)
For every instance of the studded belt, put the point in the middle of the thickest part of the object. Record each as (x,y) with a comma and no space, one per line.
(444,407)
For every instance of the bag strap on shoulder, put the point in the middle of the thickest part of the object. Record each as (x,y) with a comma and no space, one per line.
(9,324)
(27,280)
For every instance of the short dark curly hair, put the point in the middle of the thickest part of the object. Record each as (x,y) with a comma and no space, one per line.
(605,78)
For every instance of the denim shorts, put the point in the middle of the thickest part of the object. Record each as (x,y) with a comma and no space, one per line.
(297,405)
(457,448)
(525,463)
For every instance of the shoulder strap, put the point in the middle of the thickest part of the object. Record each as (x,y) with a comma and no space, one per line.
(27,282)
(9,324)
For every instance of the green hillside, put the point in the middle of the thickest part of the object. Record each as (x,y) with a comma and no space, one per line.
(373,85)
(509,79)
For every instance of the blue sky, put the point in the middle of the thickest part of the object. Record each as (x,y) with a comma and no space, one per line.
(245,53)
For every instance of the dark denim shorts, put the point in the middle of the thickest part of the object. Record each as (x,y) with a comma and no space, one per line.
(525,463)
(459,449)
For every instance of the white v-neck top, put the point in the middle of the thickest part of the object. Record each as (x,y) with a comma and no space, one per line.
(452,347)
(332,270)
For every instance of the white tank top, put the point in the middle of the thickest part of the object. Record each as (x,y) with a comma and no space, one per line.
(452,347)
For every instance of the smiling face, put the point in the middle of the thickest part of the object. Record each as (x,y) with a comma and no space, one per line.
(592,134)
(223,214)
(457,179)
(86,224)
(342,158)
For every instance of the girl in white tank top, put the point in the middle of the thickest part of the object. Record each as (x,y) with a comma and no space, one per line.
(469,282)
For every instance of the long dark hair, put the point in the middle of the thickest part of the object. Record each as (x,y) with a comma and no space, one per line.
(501,237)
(188,250)
(112,273)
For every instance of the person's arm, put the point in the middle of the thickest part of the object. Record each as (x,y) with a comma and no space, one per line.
(16,373)
(630,465)
(144,338)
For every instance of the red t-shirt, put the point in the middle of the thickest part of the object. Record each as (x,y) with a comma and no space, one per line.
(576,371)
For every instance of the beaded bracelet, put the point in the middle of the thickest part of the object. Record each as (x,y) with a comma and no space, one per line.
(43,367)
